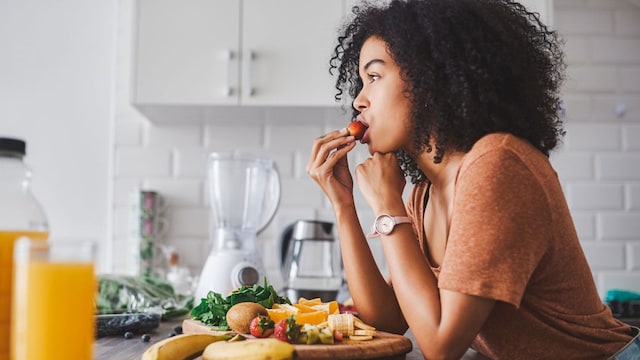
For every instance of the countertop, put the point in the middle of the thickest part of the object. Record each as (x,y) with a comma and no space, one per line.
(117,347)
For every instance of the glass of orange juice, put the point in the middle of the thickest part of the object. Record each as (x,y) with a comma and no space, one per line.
(7,241)
(54,292)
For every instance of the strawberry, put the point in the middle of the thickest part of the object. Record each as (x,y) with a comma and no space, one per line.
(337,335)
(261,326)
(287,330)
(356,129)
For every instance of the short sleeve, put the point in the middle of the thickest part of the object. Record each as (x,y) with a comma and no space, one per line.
(499,228)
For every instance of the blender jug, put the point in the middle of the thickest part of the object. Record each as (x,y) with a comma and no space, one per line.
(244,193)
(311,261)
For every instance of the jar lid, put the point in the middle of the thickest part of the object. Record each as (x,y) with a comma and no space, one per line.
(13,146)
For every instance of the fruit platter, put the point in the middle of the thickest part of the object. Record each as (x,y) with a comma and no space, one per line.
(256,323)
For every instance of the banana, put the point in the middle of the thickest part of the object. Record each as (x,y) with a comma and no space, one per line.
(251,349)
(184,346)
(349,325)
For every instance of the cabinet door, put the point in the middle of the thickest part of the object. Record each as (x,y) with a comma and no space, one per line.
(187,52)
(287,45)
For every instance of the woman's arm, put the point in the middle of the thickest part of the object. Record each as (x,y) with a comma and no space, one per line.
(443,322)
(373,297)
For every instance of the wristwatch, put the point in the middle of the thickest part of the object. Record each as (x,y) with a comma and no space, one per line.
(385,223)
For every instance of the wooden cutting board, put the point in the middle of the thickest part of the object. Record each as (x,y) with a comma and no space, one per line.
(383,346)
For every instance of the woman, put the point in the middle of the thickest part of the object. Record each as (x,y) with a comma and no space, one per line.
(461,96)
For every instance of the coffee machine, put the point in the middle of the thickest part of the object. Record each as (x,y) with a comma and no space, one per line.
(244,194)
(311,263)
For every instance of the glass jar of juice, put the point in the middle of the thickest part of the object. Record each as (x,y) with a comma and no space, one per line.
(20,215)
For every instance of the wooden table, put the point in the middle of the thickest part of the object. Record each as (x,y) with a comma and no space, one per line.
(119,348)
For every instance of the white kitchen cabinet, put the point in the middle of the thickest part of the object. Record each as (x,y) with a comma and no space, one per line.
(235,52)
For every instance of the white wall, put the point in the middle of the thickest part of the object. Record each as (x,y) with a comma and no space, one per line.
(56,92)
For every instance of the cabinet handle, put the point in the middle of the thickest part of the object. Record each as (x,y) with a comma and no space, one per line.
(228,56)
(252,56)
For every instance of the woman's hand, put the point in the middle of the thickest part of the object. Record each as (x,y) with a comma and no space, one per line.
(382,182)
(329,167)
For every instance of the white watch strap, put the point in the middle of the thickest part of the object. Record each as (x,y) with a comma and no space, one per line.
(396,219)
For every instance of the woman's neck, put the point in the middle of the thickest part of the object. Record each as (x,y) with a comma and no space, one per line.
(441,174)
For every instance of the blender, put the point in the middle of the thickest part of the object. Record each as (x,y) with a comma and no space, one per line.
(244,193)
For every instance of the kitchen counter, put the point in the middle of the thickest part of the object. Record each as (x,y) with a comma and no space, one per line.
(117,347)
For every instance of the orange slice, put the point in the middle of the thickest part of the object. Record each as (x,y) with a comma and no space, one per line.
(278,314)
(313,318)
(305,308)
(310,302)
(334,308)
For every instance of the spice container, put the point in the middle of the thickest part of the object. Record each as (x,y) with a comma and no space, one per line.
(147,227)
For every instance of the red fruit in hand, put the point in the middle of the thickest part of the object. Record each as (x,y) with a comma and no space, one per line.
(356,129)
(287,330)
(261,326)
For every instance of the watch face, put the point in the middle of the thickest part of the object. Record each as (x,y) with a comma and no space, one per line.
(384,224)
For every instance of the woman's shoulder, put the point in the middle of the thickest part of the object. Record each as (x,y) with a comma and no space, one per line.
(498,145)
(505,155)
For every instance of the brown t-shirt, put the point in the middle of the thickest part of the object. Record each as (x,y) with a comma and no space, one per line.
(512,239)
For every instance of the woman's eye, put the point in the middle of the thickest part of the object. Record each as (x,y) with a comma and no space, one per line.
(373,77)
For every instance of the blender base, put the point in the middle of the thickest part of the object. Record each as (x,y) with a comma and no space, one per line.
(226,271)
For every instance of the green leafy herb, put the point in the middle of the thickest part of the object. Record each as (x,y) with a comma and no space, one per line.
(212,310)
(139,294)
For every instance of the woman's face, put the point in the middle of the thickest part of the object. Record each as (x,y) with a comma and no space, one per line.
(382,102)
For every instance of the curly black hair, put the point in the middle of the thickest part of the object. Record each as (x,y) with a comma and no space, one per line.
(471,67)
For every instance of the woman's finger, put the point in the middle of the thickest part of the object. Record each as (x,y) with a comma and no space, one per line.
(328,157)
(324,147)
(326,138)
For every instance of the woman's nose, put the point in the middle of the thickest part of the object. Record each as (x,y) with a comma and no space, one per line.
(360,103)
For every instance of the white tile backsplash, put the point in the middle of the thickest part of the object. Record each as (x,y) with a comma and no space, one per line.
(604,107)
(633,254)
(618,225)
(629,78)
(143,161)
(173,135)
(585,224)
(626,21)
(618,166)
(605,256)
(630,136)
(583,21)
(574,165)
(592,137)
(632,200)
(615,50)
(188,222)
(591,78)
(234,136)
(595,196)
(598,164)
